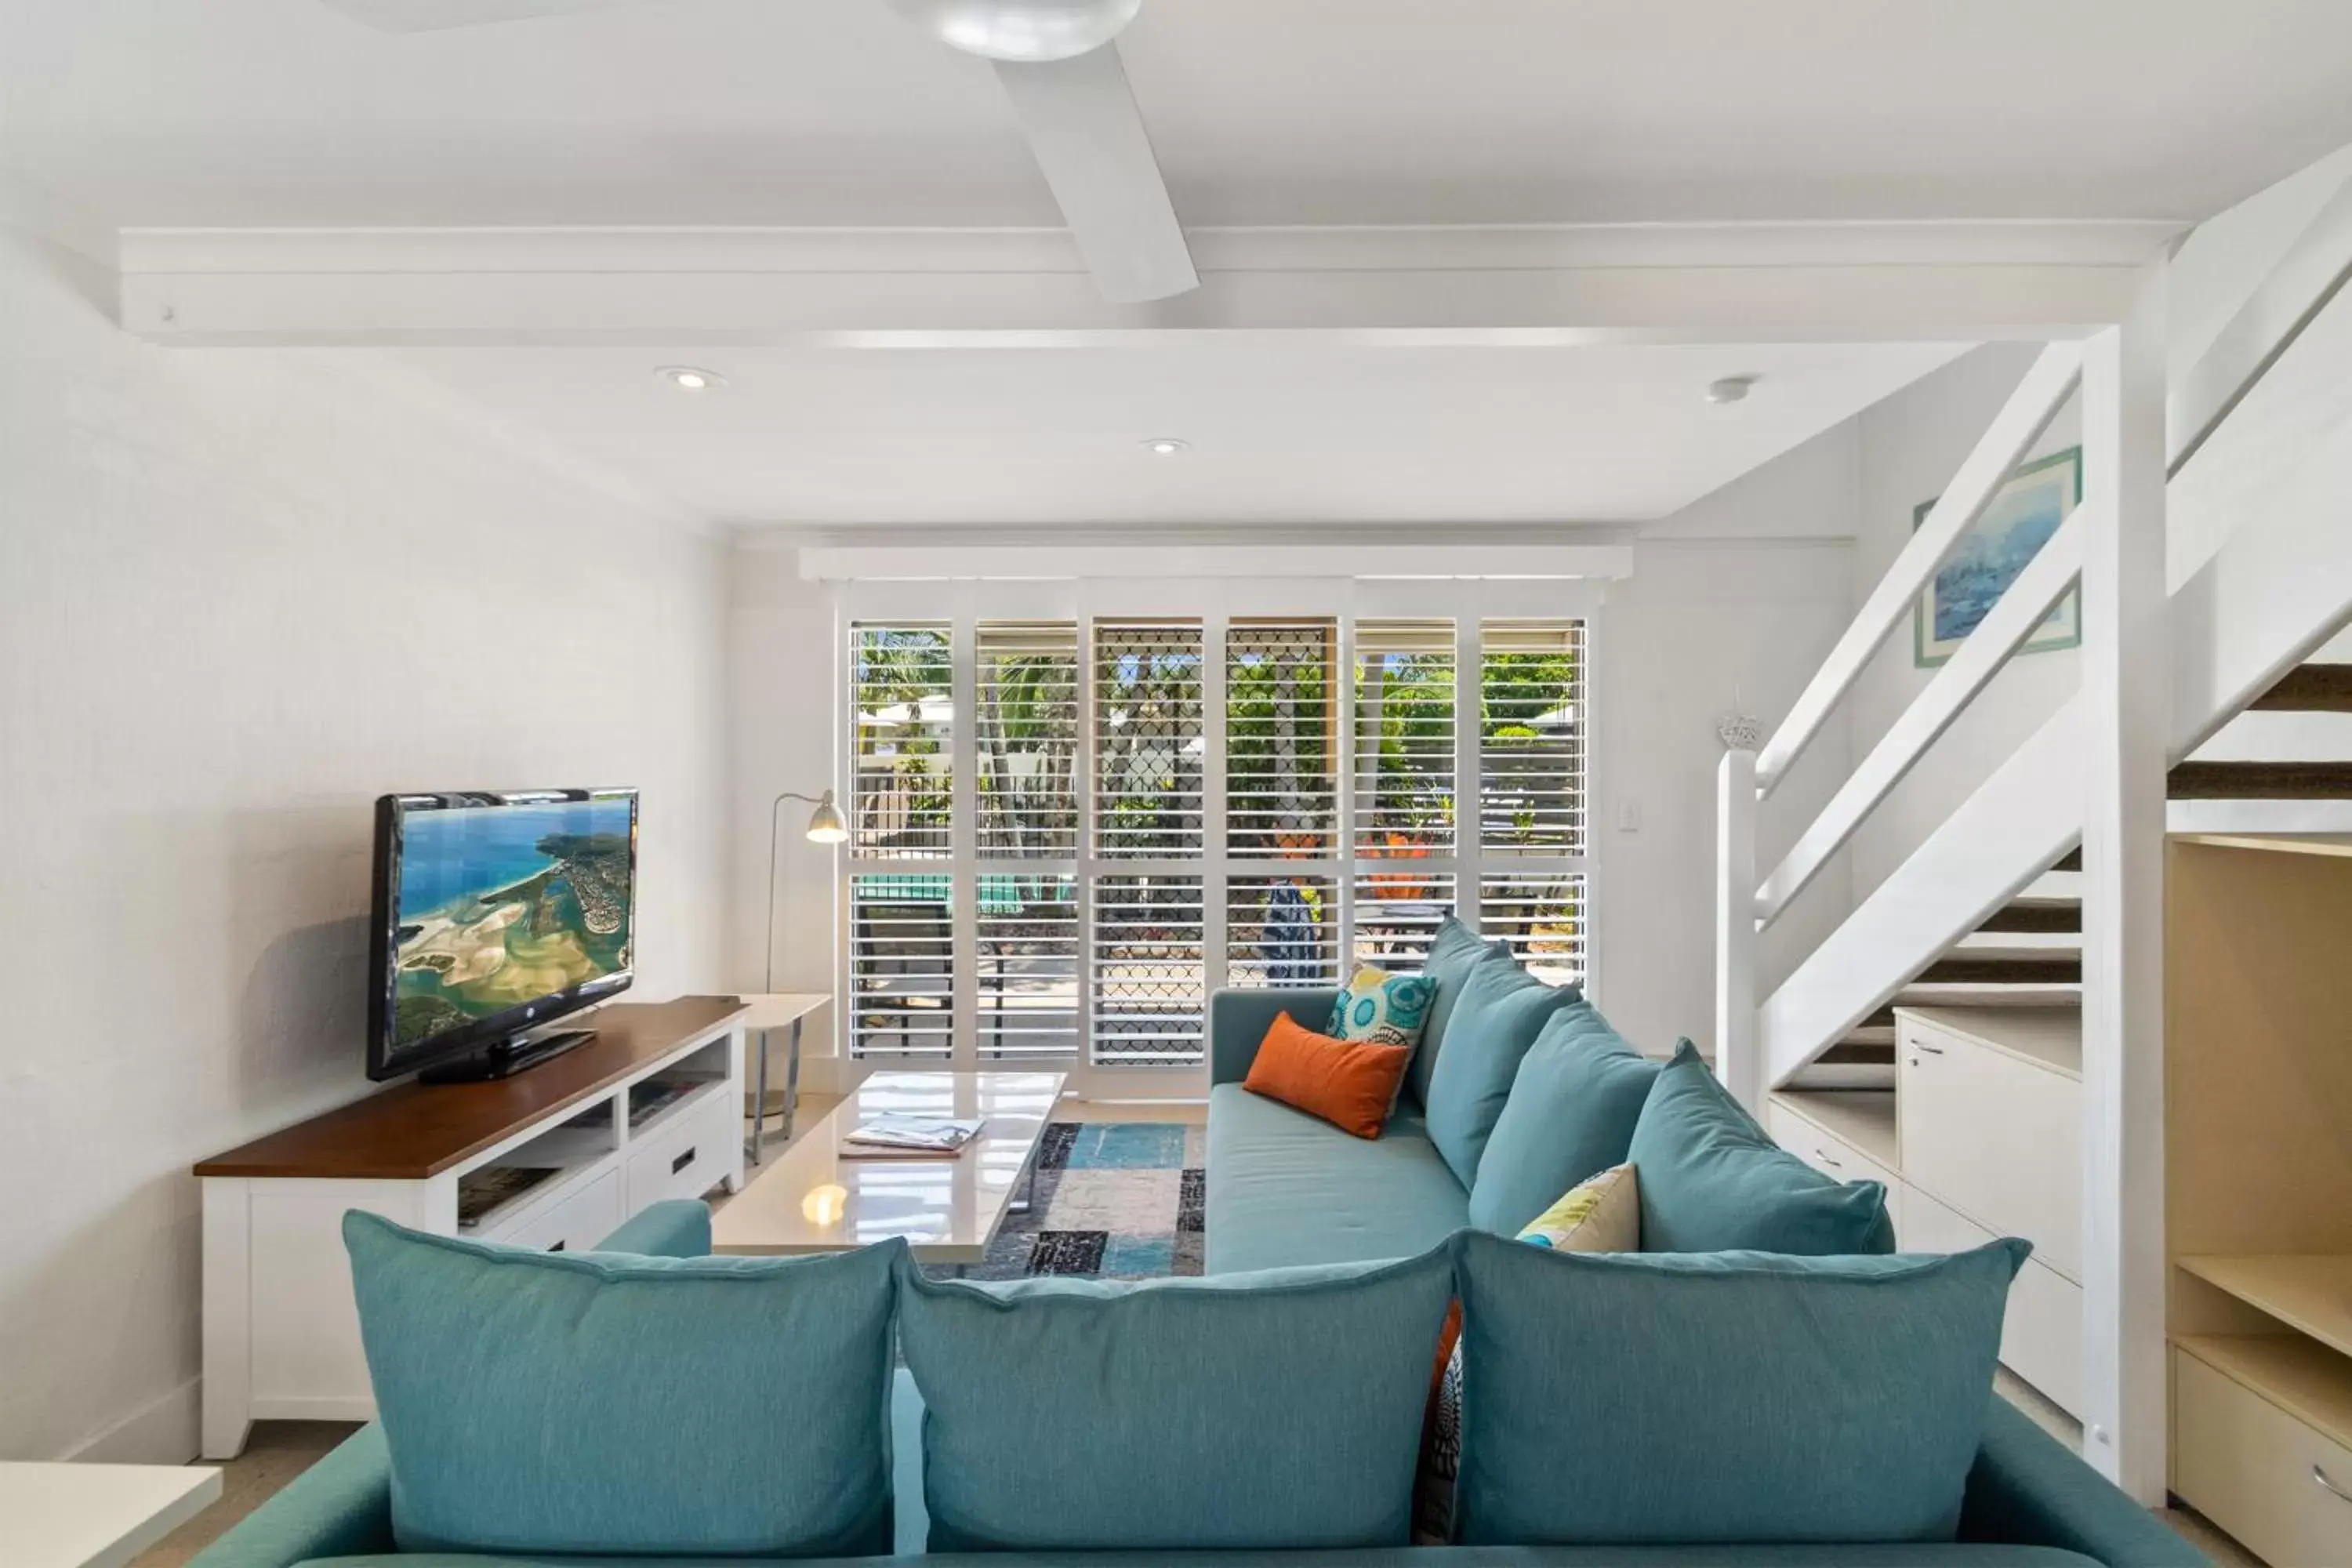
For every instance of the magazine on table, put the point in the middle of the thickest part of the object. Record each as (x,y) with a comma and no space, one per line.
(896,1135)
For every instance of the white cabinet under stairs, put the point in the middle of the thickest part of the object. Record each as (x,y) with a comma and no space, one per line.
(1980,1138)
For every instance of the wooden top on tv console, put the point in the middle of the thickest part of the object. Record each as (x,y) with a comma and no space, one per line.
(422,1129)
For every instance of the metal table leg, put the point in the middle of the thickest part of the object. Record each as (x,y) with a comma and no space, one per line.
(760,1099)
(792,1080)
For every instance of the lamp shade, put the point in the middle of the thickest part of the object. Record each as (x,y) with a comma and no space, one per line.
(826,825)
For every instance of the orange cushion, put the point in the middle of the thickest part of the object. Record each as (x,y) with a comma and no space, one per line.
(1348,1083)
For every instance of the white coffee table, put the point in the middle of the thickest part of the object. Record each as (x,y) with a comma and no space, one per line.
(96,1516)
(812,1199)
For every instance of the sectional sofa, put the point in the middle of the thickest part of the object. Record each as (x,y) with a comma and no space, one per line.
(1284,1189)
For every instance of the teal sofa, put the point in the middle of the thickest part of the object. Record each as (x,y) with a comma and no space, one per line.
(1283,1188)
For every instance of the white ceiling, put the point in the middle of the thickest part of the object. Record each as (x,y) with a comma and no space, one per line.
(790,112)
(1279,434)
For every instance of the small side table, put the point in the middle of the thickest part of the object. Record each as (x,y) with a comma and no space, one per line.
(777,1010)
(97,1516)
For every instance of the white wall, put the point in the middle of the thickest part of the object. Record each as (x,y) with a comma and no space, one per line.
(241,594)
(1741,600)
(1908,448)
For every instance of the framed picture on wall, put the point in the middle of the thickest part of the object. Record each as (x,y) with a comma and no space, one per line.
(2018,522)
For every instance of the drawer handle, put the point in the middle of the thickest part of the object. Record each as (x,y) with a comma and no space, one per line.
(2330,1487)
(682,1161)
(1823,1156)
(1924,1046)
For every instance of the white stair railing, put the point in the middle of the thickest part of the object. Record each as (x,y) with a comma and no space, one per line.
(1759,1045)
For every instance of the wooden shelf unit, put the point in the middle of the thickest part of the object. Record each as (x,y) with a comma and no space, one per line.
(280,1330)
(2258,1185)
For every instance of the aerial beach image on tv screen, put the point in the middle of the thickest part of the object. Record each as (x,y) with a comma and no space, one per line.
(501,905)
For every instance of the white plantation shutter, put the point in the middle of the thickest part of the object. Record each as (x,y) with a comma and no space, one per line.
(901,780)
(1028,965)
(1065,833)
(1540,915)
(1405,737)
(1150,986)
(901,965)
(1148,740)
(1531,738)
(1027,684)
(1283,931)
(1281,731)
(1397,912)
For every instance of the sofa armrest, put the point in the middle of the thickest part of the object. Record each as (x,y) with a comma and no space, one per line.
(2027,1489)
(1238,1021)
(674,1227)
(340,1506)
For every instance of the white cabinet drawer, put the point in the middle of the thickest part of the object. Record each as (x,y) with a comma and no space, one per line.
(2042,1332)
(2253,1469)
(684,1157)
(1998,1138)
(1832,1156)
(575,1223)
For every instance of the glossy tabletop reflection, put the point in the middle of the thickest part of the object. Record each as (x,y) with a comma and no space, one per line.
(812,1199)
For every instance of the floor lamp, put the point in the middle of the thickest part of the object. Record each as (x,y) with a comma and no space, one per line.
(824,827)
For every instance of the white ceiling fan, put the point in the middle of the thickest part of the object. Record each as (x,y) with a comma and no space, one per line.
(1061,69)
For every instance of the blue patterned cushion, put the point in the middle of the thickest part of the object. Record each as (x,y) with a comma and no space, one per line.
(609,1403)
(1382,1009)
(1231,1412)
(1731,1397)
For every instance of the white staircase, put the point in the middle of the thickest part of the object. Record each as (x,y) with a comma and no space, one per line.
(1990,909)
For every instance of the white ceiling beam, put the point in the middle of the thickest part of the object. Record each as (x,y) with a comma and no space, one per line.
(1533,285)
(1170,561)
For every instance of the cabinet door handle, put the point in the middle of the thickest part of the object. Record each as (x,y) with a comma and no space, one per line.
(681,1162)
(1924,1046)
(1823,1156)
(2330,1487)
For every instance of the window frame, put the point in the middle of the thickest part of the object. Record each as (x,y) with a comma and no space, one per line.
(1214,603)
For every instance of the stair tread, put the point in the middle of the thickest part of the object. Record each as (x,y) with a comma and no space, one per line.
(2260,781)
(1986,943)
(2311,688)
(1936,994)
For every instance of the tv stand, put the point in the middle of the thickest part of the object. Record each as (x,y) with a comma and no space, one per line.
(604,1128)
(504,1058)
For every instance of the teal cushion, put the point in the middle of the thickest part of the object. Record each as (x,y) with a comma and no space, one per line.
(1733,1396)
(603,1402)
(1713,1181)
(1498,1013)
(1571,1115)
(1280,1409)
(1285,1187)
(1452,949)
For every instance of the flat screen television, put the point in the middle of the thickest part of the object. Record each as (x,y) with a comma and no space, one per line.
(495,914)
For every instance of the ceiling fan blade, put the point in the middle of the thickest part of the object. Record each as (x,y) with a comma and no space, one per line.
(1089,137)
(432,16)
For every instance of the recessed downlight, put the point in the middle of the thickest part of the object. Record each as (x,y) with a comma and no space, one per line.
(1730,389)
(1165,446)
(691,377)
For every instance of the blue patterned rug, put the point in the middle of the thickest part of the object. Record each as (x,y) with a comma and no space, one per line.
(1114,1200)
